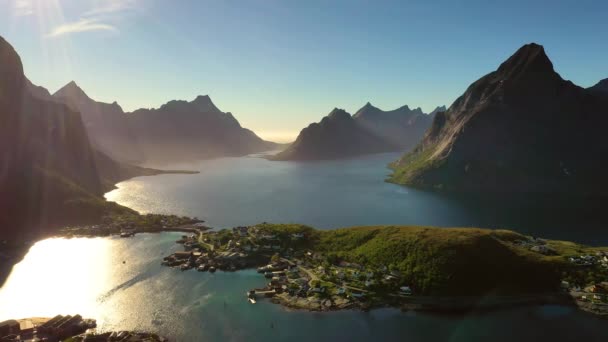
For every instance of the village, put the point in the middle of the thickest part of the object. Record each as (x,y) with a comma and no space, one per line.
(302,278)
(297,277)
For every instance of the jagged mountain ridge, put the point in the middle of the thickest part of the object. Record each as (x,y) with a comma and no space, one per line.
(370,130)
(337,135)
(193,130)
(49,172)
(521,128)
(402,127)
(177,131)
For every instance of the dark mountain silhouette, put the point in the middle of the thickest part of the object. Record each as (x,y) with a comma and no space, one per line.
(106,124)
(600,87)
(37,91)
(402,127)
(49,173)
(338,135)
(437,110)
(181,130)
(521,128)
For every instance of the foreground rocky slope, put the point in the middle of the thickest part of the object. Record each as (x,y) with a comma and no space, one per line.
(521,128)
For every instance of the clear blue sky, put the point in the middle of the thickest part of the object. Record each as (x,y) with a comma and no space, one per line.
(279,65)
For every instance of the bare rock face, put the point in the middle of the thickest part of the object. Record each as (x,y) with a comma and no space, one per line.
(521,128)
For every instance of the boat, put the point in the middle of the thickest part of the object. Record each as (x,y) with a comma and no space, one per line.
(212,269)
(202,268)
(185,267)
(251,296)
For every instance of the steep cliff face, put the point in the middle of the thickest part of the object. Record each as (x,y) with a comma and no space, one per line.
(338,135)
(521,128)
(403,127)
(106,124)
(181,130)
(49,172)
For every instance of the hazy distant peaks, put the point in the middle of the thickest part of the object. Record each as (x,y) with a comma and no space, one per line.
(338,113)
(204,103)
(37,91)
(71,90)
(438,109)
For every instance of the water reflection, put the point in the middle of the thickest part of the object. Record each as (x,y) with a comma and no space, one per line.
(58,276)
(88,276)
(329,194)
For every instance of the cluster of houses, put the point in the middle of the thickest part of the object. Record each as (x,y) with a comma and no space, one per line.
(600,258)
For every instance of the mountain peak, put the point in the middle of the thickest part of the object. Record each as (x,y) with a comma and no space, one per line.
(529,59)
(338,113)
(204,103)
(71,90)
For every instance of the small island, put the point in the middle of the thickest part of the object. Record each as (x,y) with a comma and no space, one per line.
(409,267)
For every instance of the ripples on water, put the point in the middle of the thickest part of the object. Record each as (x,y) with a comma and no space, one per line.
(330,194)
(88,276)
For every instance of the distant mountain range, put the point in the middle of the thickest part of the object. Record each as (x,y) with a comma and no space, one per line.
(177,131)
(521,128)
(370,130)
(192,130)
(49,172)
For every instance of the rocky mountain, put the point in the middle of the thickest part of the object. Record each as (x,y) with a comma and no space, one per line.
(181,130)
(402,127)
(521,128)
(49,173)
(177,131)
(437,110)
(106,124)
(600,87)
(338,135)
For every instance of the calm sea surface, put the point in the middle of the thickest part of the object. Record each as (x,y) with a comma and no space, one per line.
(88,276)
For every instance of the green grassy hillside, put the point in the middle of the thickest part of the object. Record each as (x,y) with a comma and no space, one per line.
(445,261)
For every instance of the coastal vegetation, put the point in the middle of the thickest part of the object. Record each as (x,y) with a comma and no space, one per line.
(398,265)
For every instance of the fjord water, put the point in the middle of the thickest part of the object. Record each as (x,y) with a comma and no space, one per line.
(349,192)
(88,276)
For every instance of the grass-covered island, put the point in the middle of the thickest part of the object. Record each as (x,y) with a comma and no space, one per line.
(415,268)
